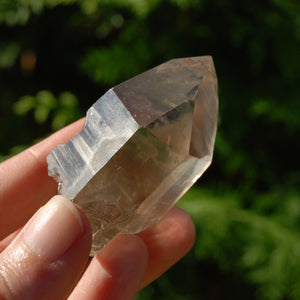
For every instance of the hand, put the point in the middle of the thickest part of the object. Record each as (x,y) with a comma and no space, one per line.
(48,257)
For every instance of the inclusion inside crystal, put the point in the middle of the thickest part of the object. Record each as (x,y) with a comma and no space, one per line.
(144,143)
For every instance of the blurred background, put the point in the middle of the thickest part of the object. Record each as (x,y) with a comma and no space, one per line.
(57,57)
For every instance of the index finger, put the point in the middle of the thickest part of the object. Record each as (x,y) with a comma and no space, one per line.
(24,182)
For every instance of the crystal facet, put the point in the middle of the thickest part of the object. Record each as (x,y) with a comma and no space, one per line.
(143,145)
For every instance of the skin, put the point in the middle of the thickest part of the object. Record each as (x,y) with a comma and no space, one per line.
(45,254)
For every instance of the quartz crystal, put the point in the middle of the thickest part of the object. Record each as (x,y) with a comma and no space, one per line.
(143,145)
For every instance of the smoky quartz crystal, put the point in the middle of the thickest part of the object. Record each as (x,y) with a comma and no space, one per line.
(144,143)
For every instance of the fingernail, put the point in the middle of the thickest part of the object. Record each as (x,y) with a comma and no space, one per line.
(54,228)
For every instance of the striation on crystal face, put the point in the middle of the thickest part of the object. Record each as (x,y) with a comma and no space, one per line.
(144,143)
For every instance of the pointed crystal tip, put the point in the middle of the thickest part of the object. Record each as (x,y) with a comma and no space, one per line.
(143,145)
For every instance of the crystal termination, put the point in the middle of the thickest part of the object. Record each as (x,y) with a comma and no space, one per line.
(144,143)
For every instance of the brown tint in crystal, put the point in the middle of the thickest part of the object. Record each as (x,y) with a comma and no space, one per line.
(143,145)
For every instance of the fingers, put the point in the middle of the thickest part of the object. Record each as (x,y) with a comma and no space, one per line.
(121,268)
(24,181)
(5,242)
(115,272)
(48,255)
(167,242)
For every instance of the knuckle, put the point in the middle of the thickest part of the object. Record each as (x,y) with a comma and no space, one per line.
(14,268)
(7,272)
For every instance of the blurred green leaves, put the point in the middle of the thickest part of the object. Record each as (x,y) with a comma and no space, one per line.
(265,249)
(248,216)
(17,12)
(97,62)
(283,113)
(64,108)
(8,54)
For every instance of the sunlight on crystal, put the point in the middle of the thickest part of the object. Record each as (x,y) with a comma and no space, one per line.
(144,144)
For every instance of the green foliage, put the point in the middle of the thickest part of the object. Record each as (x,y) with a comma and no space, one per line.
(248,216)
(65,108)
(257,248)
(268,253)
(8,55)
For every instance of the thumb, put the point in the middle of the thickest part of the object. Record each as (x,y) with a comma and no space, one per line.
(48,256)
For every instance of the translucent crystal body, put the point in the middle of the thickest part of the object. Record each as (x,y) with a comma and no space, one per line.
(144,143)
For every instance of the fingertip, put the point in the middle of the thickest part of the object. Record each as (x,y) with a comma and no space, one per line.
(58,221)
(177,227)
(167,242)
(115,272)
(183,228)
(124,252)
(50,253)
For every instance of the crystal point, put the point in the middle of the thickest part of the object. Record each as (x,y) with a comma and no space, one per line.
(143,145)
